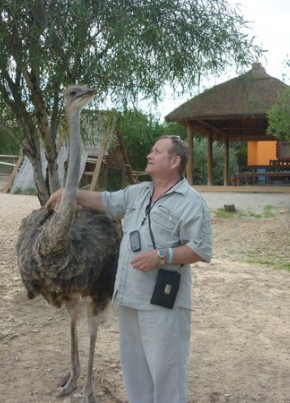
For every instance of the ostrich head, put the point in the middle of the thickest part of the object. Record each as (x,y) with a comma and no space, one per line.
(77,96)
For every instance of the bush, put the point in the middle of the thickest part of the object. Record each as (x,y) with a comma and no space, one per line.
(200,168)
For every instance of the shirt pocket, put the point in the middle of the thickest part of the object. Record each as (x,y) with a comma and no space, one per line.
(164,227)
(129,220)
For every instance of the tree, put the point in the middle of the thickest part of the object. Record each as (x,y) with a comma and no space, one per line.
(127,49)
(278,116)
(139,131)
(8,137)
(200,157)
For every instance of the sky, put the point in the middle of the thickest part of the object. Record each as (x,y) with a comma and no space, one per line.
(269,23)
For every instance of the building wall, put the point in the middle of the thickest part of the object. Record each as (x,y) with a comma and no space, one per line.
(261,152)
(283,150)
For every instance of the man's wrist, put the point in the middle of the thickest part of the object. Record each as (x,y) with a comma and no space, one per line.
(170,255)
(162,254)
(165,255)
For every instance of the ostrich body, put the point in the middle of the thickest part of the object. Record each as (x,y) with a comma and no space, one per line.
(71,253)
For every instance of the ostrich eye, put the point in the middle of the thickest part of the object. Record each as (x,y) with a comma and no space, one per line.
(73,93)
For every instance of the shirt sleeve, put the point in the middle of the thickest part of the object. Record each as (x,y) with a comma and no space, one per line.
(115,203)
(196,231)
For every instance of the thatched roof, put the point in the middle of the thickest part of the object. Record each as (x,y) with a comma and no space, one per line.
(236,108)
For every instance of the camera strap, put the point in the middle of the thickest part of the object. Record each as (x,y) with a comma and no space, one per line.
(149,222)
(150,206)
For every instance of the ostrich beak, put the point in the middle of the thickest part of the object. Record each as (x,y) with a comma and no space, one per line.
(90,93)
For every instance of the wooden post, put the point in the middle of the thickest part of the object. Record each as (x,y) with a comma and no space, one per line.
(105,143)
(190,164)
(209,159)
(105,178)
(226,163)
(127,165)
(9,183)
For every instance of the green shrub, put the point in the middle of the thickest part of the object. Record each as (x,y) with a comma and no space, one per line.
(200,168)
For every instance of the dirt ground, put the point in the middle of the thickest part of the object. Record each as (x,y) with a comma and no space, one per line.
(240,347)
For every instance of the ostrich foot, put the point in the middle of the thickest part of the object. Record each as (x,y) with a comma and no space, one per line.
(89,397)
(68,383)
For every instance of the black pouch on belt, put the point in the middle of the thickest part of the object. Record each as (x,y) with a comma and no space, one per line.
(166,287)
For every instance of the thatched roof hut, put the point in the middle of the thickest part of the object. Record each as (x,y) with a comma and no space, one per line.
(235,110)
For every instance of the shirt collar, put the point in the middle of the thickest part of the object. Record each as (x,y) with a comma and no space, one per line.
(180,186)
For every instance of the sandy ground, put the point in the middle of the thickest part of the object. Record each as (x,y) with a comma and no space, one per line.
(240,346)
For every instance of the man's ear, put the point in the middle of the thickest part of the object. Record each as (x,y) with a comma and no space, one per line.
(176,161)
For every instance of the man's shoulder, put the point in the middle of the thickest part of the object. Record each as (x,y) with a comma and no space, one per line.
(194,197)
(190,191)
(139,189)
(136,187)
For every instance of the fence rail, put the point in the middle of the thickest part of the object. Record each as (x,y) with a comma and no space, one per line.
(7,163)
(5,157)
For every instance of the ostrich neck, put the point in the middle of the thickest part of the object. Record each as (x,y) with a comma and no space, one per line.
(68,204)
(56,236)
(74,163)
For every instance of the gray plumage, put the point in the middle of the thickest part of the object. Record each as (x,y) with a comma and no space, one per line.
(71,253)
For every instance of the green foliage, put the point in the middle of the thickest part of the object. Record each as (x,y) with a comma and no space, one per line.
(29,191)
(279,116)
(241,150)
(7,144)
(174,129)
(51,43)
(128,50)
(222,213)
(201,165)
(140,131)
(266,213)
(271,262)
(10,136)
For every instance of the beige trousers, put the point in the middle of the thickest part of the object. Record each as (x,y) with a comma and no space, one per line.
(154,349)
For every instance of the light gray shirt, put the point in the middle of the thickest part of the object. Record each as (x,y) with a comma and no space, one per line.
(179,217)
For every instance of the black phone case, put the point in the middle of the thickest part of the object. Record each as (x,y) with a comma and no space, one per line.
(166,287)
(135,242)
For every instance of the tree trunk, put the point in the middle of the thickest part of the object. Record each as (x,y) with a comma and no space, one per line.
(31,149)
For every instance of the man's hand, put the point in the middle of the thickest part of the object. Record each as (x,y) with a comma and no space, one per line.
(54,201)
(149,260)
(146,261)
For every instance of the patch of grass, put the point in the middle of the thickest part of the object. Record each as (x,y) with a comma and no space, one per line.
(273,264)
(254,215)
(266,213)
(285,266)
(222,213)
(29,191)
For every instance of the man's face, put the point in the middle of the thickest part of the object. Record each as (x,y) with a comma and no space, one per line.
(160,162)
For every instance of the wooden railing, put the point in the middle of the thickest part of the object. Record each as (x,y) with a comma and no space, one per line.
(262,174)
(5,157)
(279,162)
(15,165)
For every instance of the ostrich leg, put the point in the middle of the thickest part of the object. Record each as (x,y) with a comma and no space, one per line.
(88,392)
(69,382)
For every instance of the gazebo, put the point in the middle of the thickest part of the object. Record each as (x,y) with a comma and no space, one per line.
(233,111)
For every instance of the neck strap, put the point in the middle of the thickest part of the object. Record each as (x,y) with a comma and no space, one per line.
(149,207)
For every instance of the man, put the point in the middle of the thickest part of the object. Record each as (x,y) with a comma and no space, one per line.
(171,224)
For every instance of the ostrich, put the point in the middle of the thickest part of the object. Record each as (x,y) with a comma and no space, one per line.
(71,253)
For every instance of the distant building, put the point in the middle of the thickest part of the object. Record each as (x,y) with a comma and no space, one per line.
(266,152)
